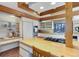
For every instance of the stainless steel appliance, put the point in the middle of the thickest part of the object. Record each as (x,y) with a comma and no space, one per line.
(35,31)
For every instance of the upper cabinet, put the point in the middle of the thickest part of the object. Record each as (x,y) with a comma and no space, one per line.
(55,26)
(76,27)
(46,25)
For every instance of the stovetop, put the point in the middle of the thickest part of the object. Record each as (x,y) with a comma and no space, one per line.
(59,40)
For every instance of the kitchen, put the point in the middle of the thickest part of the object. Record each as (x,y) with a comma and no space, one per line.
(24,29)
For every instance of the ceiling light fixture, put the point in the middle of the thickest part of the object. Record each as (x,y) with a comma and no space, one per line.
(52,3)
(12,16)
(41,7)
(44,21)
(27,2)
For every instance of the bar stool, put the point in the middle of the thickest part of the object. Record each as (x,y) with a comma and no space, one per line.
(40,53)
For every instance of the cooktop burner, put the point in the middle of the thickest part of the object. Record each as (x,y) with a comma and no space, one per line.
(60,40)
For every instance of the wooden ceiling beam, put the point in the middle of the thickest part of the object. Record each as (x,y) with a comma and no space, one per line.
(30,16)
(51,11)
(58,16)
(16,12)
(9,10)
(25,6)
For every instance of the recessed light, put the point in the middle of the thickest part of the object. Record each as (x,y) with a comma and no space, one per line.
(52,3)
(27,2)
(44,21)
(41,7)
(12,16)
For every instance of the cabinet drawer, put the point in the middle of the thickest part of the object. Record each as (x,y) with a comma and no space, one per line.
(25,53)
(26,47)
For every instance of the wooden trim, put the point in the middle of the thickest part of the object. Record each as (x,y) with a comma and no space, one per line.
(69,25)
(16,12)
(75,4)
(58,16)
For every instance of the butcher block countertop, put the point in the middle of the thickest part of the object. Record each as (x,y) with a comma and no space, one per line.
(57,49)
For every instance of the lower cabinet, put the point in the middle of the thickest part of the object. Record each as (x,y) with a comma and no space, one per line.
(25,50)
(8,46)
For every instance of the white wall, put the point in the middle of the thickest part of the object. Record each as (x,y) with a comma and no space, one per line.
(7,18)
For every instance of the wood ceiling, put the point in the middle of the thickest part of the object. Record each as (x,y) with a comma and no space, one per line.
(25,6)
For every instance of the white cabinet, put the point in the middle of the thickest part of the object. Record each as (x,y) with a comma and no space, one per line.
(8,46)
(27,29)
(24,53)
(25,50)
(46,25)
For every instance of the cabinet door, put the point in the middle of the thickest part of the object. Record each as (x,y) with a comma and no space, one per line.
(25,53)
(25,50)
(27,30)
(46,25)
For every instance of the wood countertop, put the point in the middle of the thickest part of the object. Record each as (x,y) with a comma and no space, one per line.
(57,49)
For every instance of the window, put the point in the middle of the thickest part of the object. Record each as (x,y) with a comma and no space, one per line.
(59,27)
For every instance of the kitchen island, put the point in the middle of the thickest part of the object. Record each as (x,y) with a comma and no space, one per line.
(56,49)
